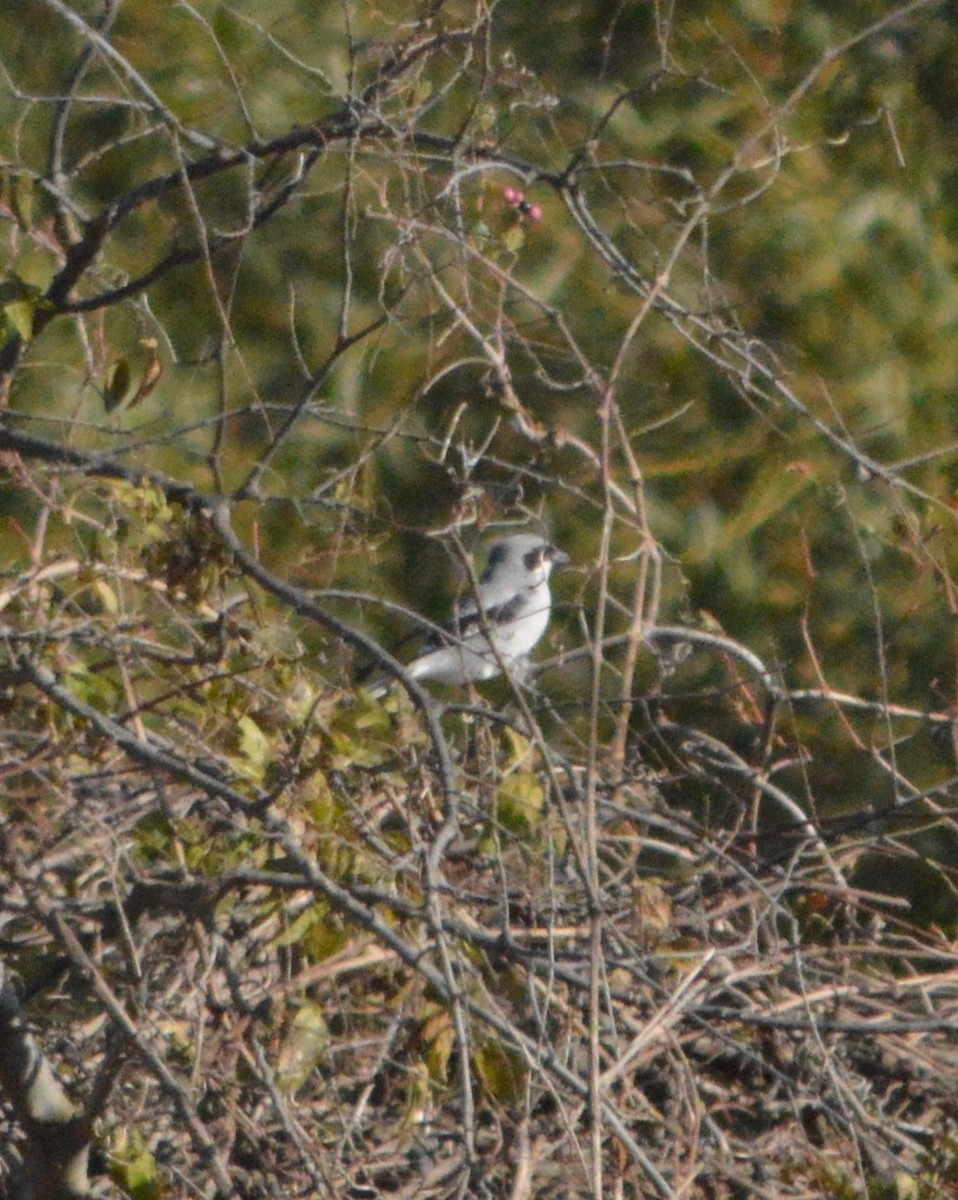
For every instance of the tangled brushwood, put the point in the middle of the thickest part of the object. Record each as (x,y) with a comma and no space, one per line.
(301,312)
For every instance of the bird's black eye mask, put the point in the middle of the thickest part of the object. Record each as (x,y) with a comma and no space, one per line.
(534,558)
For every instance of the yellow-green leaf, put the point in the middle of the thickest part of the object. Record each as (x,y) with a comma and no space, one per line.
(255,752)
(501,1071)
(520,801)
(106,596)
(132,1167)
(514,237)
(19,315)
(302,1049)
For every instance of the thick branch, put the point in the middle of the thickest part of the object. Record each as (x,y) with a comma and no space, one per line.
(53,1160)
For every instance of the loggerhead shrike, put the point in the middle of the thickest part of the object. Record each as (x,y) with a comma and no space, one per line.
(498,624)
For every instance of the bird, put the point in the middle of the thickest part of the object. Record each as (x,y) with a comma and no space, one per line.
(498,623)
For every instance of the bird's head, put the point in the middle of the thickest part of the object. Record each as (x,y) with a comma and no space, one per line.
(527,555)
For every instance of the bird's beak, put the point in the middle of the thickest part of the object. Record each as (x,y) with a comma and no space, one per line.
(559,557)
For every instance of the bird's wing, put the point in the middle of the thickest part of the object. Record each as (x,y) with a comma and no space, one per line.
(468,617)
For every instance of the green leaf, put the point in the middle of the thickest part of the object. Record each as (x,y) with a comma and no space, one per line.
(142,1179)
(440,1039)
(132,1167)
(520,797)
(19,316)
(92,687)
(105,596)
(303,1048)
(21,200)
(117,384)
(316,931)
(255,751)
(519,803)
(514,238)
(501,1071)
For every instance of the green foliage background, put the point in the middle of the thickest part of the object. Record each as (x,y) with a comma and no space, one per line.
(720,370)
(831,240)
